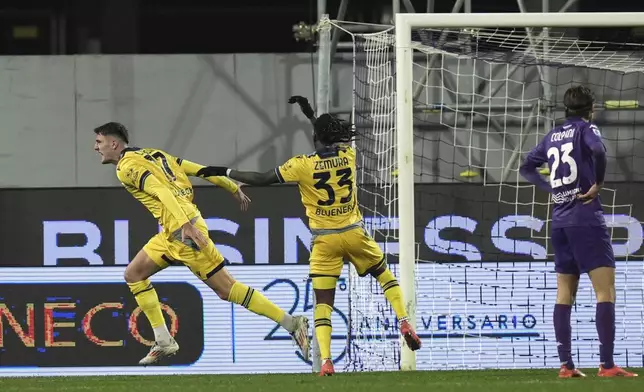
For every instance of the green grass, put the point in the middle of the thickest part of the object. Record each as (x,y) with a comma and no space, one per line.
(461,381)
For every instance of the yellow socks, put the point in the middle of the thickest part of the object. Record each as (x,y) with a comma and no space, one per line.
(146,297)
(256,302)
(323,329)
(393,293)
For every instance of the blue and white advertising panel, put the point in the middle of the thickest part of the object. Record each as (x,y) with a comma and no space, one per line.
(83,321)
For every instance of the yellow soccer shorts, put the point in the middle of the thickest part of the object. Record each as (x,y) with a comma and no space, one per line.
(330,250)
(204,262)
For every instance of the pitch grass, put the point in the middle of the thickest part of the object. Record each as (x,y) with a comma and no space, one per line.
(475,381)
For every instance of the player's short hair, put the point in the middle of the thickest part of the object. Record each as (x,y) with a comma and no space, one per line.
(579,101)
(113,129)
(329,129)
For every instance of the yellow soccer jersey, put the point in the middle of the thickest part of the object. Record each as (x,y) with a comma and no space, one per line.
(326,183)
(160,182)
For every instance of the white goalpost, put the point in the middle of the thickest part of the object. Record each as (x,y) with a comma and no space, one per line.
(446,106)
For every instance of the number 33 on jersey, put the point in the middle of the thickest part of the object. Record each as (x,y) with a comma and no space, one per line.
(326,183)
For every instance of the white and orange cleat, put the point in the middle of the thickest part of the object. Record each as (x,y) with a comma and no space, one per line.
(564,372)
(327,368)
(158,352)
(412,340)
(301,335)
(615,371)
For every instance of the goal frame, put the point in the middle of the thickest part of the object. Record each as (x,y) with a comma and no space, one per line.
(404,23)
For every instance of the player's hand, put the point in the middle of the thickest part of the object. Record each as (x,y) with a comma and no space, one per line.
(242,198)
(189,230)
(590,195)
(298,99)
(304,106)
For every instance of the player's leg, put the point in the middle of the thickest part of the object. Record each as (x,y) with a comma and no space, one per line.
(231,290)
(594,253)
(365,254)
(325,267)
(567,283)
(208,265)
(150,260)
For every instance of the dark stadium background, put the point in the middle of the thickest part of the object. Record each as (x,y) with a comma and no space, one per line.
(207,26)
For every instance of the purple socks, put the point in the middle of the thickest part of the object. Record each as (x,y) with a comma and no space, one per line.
(605,323)
(563,333)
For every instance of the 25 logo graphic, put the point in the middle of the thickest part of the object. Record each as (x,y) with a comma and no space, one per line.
(307,305)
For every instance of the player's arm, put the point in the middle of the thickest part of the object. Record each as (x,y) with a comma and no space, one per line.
(592,139)
(196,170)
(247,177)
(136,174)
(530,166)
(254,178)
(288,172)
(304,106)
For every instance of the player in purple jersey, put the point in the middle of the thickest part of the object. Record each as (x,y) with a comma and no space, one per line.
(576,157)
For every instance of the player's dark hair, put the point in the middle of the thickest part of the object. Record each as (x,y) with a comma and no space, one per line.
(327,128)
(113,129)
(579,101)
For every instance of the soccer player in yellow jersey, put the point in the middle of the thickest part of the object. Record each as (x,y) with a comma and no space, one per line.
(160,182)
(326,182)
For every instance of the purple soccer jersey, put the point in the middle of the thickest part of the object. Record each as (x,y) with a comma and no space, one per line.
(568,150)
(576,156)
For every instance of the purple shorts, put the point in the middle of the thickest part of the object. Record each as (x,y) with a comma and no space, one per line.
(579,250)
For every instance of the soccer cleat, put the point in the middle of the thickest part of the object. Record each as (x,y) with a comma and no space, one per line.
(564,372)
(327,368)
(615,371)
(412,340)
(157,352)
(301,335)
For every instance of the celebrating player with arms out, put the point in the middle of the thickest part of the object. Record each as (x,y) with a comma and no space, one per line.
(325,179)
(576,157)
(160,181)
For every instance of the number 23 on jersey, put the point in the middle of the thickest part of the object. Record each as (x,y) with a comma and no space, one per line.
(561,155)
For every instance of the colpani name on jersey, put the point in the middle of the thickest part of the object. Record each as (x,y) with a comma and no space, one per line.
(567,133)
(331,163)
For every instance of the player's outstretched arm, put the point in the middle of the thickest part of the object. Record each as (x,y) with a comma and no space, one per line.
(254,178)
(304,106)
(196,170)
(247,177)
(529,168)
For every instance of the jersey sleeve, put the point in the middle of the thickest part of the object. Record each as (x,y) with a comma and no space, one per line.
(292,170)
(192,169)
(536,157)
(592,138)
(137,172)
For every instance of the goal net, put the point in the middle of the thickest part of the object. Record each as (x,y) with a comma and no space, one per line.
(484,278)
